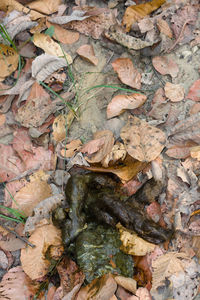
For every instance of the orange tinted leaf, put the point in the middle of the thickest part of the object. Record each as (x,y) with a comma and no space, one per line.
(8,60)
(137,12)
(174,92)
(63,35)
(87,53)
(121,102)
(194,92)
(127,73)
(165,66)
(71,148)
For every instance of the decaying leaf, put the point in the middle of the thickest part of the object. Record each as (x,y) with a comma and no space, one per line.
(164,28)
(50,47)
(137,12)
(87,53)
(45,6)
(63,35)
(194,92)
(71,148)
(127,73)
(165,66)
(174,92)
(142,141)
(99,147)
(121,102)
(8,60)
(17,285)
(33,260)
(127,283)
(132,243)
(118,152)
(42,211)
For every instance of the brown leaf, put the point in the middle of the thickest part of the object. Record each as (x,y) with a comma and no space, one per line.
(195,108)
(121,102)
(194,91)
(33,260)
(118,152)
(100,288)
(11,243)
(127,73)
(63,35)
(164,27)
(8,60)
(178,151)
(142,141)
(165,66)
(174,92)
(137,12)
(128,284)
(87,53)
(98,148)
(45,6)
(71,148)
(195,152)
(59,128)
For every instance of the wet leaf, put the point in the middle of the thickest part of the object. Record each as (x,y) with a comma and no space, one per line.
(87,53)
(45,6)
(132,243)
(33,260)
(165,66)
(121,102)
(174,92)
(137,12)
(50,47)
(194,91)
(127,73)
(142,141)
(63,35)
(8,60)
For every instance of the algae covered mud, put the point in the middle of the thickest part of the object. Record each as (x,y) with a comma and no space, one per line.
(88,224)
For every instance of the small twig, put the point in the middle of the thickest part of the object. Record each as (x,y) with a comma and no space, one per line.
(180,36)
(18,236)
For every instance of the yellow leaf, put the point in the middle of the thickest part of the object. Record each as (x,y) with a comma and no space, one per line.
(44,41)
(8,60)
(137,12)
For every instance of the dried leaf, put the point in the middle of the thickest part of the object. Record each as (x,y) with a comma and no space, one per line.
(127,73)
(59,128)
(98,148)
(50,47)
(71,148)
(33,260)
(16,285)
(195,152)
(132,243)
(137,12)
(164,28)
(11,243)
(143,294)
(45,6)
(174,92)
(194,91)
(45,64)
(165,66)
(127,283)
(142,141)
(63,35)
(8,60)
(118,152)
(179,152)
(145,25)
(77,15)
(87,53)
(121,102)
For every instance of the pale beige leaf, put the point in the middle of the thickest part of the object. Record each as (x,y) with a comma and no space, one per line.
(33,260)
(121,102)
(164,27)
(87,53)
(195,152)
(127,283)
(165,65)
(174,92)
(30,195)
(59,128)
(44,41)
(8,60)
(45,6)
(16,285)
(127,73)
(118,152)
(132,244)
(142,141)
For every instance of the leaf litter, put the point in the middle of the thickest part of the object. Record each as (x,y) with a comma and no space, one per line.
(87,117)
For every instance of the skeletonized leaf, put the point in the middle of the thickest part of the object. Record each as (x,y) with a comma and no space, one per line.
(121,102)
(8,60)
(50,47)
(45,64)
(33,260)
(165,66)
(87,53)
(126,72)
(142,141)
(174,92)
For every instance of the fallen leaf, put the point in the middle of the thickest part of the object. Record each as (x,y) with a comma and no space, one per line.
(154,211)
(45,6)
(118,152)
(11,243)
(63,35)
(179,152)
(164,28)
(17,285)
(195,108)
(98,148)
(174,92)
(128,284)
(121,102)
(145,25)
(9,59)
(142,141)
(33,260)
(165,66)
(137,12)
(195,152)
(77,15)
(100,288)
(50,47)
(71,148)
(132,186)
(143,294)
(194,91)
(87,53)
(126,72)
(59,128)
(132,244)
